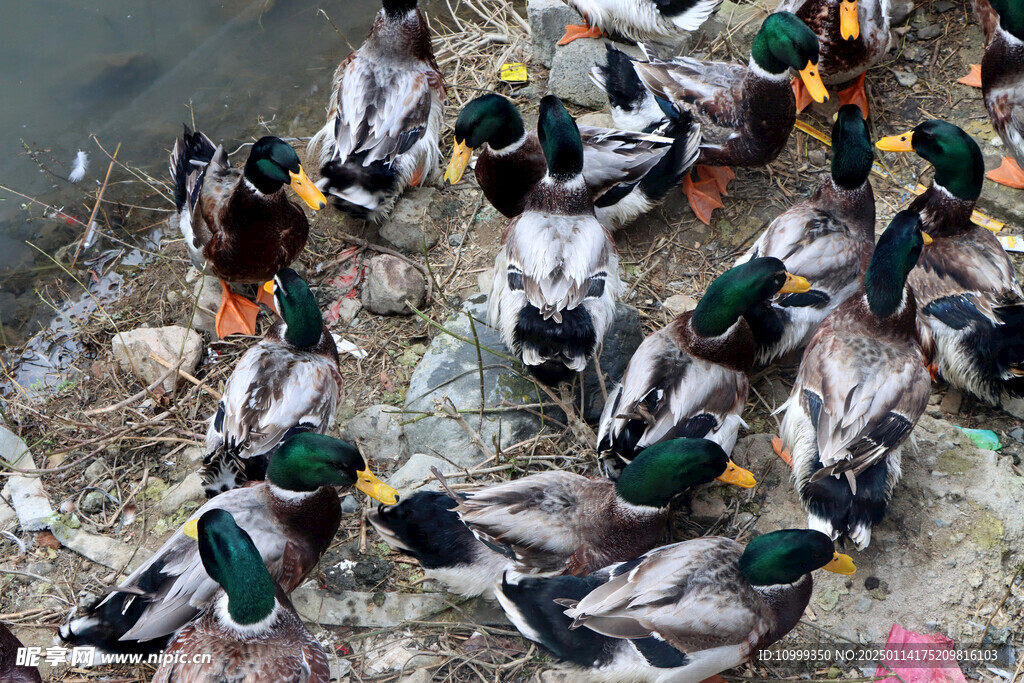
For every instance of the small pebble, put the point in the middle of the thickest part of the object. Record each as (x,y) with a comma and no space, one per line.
(349,506)
(942,6)
(816,157)
(928,32)
(905,78)
(864,605)
(1017,434)
(455,240)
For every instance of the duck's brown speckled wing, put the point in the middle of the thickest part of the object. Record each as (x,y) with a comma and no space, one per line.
(689,594)
(712,91)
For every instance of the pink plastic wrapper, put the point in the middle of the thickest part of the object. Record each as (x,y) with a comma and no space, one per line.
(920,658)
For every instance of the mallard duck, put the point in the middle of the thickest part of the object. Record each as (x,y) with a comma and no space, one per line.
(552,522)
(627,173)
(292,518)
(690,378)
(827,239)
(853,36)
(989,20)
(287,383)
(861,388)
(638,19)
(383,117)
(971,305)
(556,275)
(10,671)
(240,225)
(680,613)
(745,113)
(1002,75)
(249,631)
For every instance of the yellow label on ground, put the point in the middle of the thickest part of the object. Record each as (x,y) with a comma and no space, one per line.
(513,72)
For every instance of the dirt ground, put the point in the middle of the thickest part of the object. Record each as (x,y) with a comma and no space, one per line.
(147,442)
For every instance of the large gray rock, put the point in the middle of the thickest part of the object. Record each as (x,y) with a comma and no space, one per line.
(548,19)
(206,295)
(410,227)
(378,431)
(188,490)
(620,342)
(416,474)
(27,495)
(570,66)
(132,350)
(390,282)
(450,369)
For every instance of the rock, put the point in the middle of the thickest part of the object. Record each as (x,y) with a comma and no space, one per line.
(132,351)
(548,19)
(410,227)
(96,469)
(378,431)
(942,6)
(677,304)
(412,474)
(206,294)
(620,342)
(26,493)
(597,119)
(390,282)
(93,502)
(817,157)
(900,11)
(951,402)
(349,505)
(188,490)
(365,610)
(449,369)
(742,21)
(100,549)
(347,310)
(7,514)
(455,240)
(905,78)
(1002,202)
(418,676)
(707,505)
(929,32)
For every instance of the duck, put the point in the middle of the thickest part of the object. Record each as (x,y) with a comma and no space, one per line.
(745,112)
(647,20)
(827,239)
(853,35)
(287,383)
(690,379)
(239,225)
(970,302)
(250,630)
(1002,77)
(861,388)
(10,670)
(627,173)
(556,274)
(679,613)
(989,20)
(292,518)
(553,522)
(383,117)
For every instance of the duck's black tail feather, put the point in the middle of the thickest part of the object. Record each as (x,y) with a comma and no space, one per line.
(358,190)
(191,151)
(668,173)
(425,526)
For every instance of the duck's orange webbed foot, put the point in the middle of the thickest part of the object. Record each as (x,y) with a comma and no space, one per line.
(1009,174)
(722,175)
(855,94)
(973,77)
(236,315)
(781,452)
(803,97)
(703,196)
(577,31)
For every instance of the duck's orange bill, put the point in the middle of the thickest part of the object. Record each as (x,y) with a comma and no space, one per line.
(795,284)
(812,81)
(460,160)
(375,488)
(306,190)
(849,23)
(897,143)
(841,564)
(737,476)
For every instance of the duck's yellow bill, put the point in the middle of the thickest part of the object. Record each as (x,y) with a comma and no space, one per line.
(191,529)
(812,80)
(306,190)
(841,564)
(795,284)
(926,237)
(268,287)
(897,143)
(737,476)
(375,488)
(849,23)
(460,160)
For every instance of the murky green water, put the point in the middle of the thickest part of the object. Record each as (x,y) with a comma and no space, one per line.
(131,72)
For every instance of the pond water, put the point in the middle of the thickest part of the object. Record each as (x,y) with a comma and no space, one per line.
(131,72)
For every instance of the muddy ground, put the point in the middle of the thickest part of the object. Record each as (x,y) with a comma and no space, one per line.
(945,559)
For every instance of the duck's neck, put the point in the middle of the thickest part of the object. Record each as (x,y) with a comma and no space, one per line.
(733,349)
(787,603)
(567,196)
(235,615)
(943,214)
